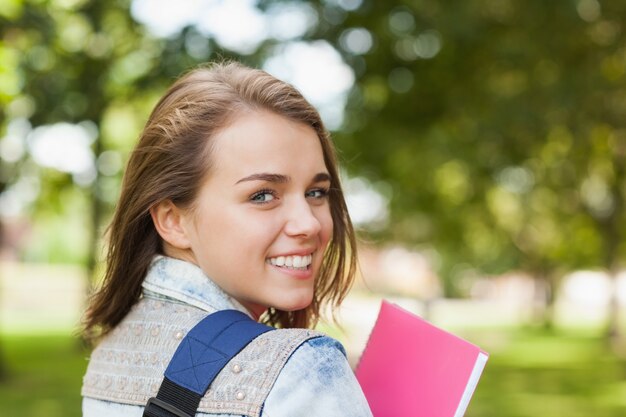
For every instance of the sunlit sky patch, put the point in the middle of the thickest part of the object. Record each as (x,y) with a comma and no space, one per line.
(315,68)
(366,205)
(65,147)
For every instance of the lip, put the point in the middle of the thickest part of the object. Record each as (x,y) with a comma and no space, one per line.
(302,274)
(302,252)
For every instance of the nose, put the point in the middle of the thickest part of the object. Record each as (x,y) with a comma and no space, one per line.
(302,220)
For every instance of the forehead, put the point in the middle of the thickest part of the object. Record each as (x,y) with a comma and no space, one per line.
(262,141)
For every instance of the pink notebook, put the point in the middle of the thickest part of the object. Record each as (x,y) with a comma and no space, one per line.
(410,368)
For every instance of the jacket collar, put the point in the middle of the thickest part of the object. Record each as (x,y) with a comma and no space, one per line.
(185,282)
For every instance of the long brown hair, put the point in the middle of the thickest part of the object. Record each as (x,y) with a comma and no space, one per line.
(170,162)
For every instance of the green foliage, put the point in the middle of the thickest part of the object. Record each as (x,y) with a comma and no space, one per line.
(68,55)
(82,61)
(60,234)
(498,125)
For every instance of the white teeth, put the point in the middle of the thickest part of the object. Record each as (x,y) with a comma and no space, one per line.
(292,261)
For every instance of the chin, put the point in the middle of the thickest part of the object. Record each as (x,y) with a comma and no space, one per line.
(295,304)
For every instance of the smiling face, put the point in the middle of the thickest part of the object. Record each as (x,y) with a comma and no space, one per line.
(261,220)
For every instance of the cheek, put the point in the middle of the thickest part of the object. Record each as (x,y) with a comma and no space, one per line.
(214,232)
(245,232)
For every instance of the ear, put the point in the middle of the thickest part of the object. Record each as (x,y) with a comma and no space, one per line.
(169,220)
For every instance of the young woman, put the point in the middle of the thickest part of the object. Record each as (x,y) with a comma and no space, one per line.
(231,200)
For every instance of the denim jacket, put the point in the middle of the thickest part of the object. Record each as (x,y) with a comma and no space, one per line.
(315,379)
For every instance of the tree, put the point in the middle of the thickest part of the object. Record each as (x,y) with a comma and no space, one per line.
(79,63)
(498,126)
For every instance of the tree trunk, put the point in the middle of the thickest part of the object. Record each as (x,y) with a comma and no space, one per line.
(613,333)
(612,237)
(613,322)
(96,219)
(543,309)
(3,363)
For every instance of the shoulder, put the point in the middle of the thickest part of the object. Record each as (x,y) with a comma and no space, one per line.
(319,353)
(312,355)
(317,381)
(323,343)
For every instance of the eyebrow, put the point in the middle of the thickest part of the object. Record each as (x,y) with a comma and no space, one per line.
(281,179)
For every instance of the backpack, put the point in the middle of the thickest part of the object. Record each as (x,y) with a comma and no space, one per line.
(201,355)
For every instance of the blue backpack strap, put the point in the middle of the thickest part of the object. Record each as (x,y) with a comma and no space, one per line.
(201,355)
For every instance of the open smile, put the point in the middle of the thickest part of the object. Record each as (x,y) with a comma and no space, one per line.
(301,263)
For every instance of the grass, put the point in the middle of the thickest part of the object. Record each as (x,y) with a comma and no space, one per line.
(43,376)
(530,372)
(536,372)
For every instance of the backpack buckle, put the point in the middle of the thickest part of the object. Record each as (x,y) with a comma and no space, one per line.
(155,402)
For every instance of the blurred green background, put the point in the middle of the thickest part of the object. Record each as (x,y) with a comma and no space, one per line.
(483,145)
